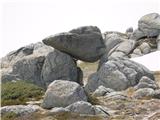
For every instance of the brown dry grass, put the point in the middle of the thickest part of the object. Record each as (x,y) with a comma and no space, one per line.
(157,77)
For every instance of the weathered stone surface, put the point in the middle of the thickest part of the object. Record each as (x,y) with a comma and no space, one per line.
(148,26)
(122,49)
(129,30)
(137,51)
(145,48)
(102,91)
(117,45)
(82,107)
(117,54)
(80,76)
(146,82)
(137,34)
(158,42)
(116,96)
(143,93)
(99,110)
(19,109)
(39,64)
(61,93)
(84,43)
(58,65)
(56,110)
(126,46)
(25,63)
(156,94)
(118,74)
(112,39)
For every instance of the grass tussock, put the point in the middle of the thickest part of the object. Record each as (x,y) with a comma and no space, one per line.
(9,116)
(15,93)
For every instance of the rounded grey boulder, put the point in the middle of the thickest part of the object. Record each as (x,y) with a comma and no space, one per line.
(148,26)
(84,43)
(25,64)
(58,65)
(117,74)
(20,109)
(39,64)
(143,92)
(102,91)
(61,93)
(81,107)
(146,82)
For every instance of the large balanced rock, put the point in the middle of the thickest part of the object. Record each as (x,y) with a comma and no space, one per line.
(118,74)
(84,43)
(62,93)
(148,26)
(39,64)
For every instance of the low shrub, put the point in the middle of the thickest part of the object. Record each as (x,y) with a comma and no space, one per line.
(9,116)
(19,92)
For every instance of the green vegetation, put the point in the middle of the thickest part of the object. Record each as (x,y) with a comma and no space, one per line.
(14,93)
(9,116)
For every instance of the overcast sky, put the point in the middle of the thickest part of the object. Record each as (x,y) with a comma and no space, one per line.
(28,21)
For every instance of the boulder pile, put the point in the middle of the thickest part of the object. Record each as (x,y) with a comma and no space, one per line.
(53,66)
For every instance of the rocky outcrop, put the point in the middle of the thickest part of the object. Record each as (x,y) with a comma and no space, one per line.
(114,42)
(81,107)
(19,109)
(123,49)
(102,91)
(146,82)
(144,93)
(118,74)
(58,65)
(39,64)
(133,43)
(158,42)
(25,64)
(148,26)
(61,93)
(84,43)
(111,39)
